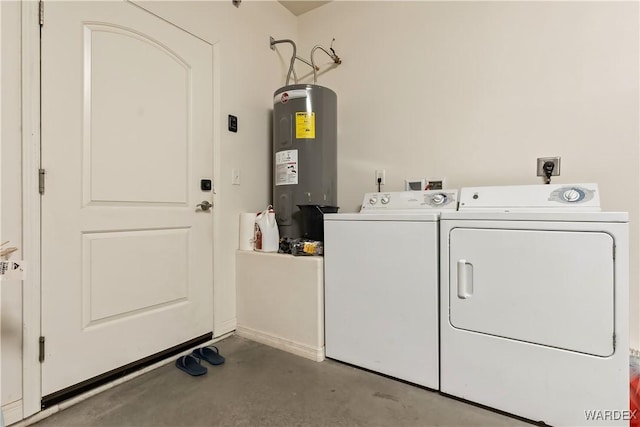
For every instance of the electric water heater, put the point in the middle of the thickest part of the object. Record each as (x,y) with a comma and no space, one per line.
(304,153)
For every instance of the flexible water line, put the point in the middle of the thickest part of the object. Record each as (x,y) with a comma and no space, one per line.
(333,56)
(293,56)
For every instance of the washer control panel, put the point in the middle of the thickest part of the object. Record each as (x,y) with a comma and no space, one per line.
(531,197)
(410,201)
(572,194)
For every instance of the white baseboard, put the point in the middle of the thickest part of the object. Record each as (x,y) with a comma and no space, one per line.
(299,349)
(12,412)
(224,328)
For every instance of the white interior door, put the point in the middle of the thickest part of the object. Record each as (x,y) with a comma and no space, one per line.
(553,288)
(126,139)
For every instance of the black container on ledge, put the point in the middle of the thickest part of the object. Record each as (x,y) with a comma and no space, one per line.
(312,220)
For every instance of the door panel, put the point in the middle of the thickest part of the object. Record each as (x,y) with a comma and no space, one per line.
(155,281)
(122,136)
(126,138)
(553,288)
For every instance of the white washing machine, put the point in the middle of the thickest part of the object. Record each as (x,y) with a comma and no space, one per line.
(381,284)
(534,304)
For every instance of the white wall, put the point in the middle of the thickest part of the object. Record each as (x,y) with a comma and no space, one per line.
(247,72)
(476,91)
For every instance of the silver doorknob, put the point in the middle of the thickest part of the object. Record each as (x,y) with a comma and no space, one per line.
(205,205)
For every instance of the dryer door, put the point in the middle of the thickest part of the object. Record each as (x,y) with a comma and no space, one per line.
(553,288)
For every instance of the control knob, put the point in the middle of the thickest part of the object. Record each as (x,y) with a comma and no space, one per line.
(384,200)
(439,199)
(373,201)
(571,195)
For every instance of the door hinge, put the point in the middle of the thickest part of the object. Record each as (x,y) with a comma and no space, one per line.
(41,13)
(41,353)
(41,173)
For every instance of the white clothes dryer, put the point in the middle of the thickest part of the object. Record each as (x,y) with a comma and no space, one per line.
(534,304)
(381,284)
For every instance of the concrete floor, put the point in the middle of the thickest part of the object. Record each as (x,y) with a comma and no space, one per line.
(261,386)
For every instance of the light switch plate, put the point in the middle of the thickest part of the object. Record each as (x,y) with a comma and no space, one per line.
(235,176)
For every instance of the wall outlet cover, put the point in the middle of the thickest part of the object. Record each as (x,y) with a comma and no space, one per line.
(543,160)
(415,184)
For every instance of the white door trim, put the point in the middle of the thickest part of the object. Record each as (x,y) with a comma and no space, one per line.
(1,145)
(31,374)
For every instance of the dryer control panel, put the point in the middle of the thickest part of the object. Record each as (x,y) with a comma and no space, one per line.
(410,201)
(576,197)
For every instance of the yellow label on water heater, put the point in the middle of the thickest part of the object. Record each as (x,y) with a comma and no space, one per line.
(305,125)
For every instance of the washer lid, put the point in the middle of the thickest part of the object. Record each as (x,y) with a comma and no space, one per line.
(557,197)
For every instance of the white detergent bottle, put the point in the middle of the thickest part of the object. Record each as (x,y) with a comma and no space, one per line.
(267,235)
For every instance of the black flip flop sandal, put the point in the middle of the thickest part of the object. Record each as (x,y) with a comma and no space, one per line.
(210,354)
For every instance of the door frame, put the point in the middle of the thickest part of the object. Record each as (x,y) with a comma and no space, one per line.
(31,238)
(31,199)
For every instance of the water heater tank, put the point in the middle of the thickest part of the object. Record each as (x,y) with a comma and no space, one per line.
(304,152)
